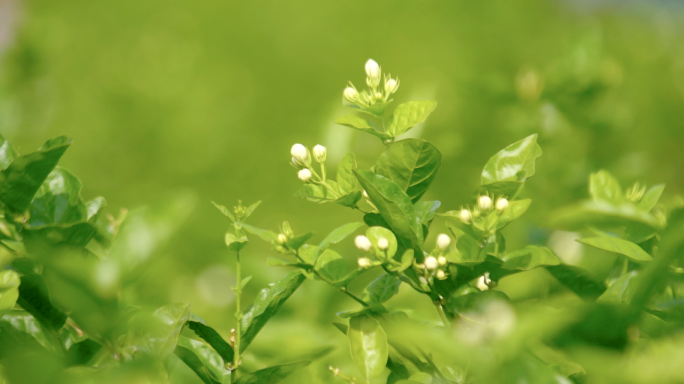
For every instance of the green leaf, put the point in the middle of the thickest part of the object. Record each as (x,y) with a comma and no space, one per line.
(346,180)
(364,125)
(26,328)
(337,235)
(375,233)
(616,245)
(225,211)
(298,241)
(194,362)
(525,259)
(412,164)
(266,305)
(235,243)
(94,208)
(212,337)
(394,205)
(515,209)
(408,115)
(272,375)
(426,210)
(350,199)
(621,290)
(58,200)
(264,234)
(651,197)
(21,180)
(34,298)
(315,193)
(214,363)
(368,344)
(245,281)
(579,280)
(82,352)
(171,319)
(332,266)
(9,292)
(513,163)
(475,302)
(381,289)
(603,186)
(469,250)
(602,214)
(507,189)
(249,210)
(7,153)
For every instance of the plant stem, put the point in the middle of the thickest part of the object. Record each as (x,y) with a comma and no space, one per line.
(238,316)
(438,305)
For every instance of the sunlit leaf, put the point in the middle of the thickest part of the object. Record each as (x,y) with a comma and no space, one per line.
(214,363)
(337,235)
(315,193)
(408,115)
(513,163)
(212,337)
(603,186)
(381,289)
(368,343)
(621,290)
(515,209)
(194,362)
(412,164)
(346,180)
(9,292)
(7,153)
(364,125)
(651,197)
(332,266)
(617,245)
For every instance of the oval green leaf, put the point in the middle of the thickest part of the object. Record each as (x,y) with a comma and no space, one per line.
(368,344)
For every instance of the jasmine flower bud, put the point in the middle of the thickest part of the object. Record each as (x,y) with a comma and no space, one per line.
(483,282)
(441,275)
(320,153)
(442,260)
(372,69)
(501,204)
(391,85)
(362,243)
(485,202)
(282,238)
(466,216)
(364,262)
(304,175)
(365,194)
(443,241)
(351,94)
(383,243)
(300,153)
(431,263)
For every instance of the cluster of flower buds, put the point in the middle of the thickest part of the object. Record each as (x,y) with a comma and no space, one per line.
(301,160)
(285,234)
(484,206)
(375,93)
(364,244)
(437,265)
(484,282)
(635,192)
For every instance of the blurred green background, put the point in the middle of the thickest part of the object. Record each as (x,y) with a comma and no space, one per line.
(208,96)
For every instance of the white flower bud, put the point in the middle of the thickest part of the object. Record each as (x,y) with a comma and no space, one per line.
(362,243)
(483,282)
(300,153)
(485,202)
(282,238)
(304,175)
(365,194)
(320,153)
(364,262)
(391,85)
(372,69)
(440,275)
(466,216)
(443,241)
(431,263)
(501,204)
(442,260)
(383,243)
(351,94)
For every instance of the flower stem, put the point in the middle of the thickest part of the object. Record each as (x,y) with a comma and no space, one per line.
(238,316)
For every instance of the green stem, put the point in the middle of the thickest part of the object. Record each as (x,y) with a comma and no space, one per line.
(238,316)
(438,305)
(341,289)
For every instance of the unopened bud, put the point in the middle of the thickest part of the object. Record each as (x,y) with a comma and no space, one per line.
(442,260)
(485,202)
(441,275)
(364,262)
(304,175)
(372,69)
(391,85)
(351,94)
(383,243)
(431,263)
(365,194)
(501,204)
(362,243)
(443,241)
(466,216)
(320,153)
(300,153)
(282,238)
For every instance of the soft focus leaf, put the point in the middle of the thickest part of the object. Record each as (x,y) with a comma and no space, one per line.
(194,362)
(603,186)
(525,259)
(412,164)
(426,210)
(381,289)
(621,290)
(81,353)
(34,298)
(346,180)
(651,197)
(58,200)
(515,209)
(315,193)
(507,189)
(25,328)
(214,363)
(272,375)
(20,181)
(602,214)
(332,266)
(212,337)
(266,305)
(7,153)
(264,234)
(394,205)
(9,292)
(364,125)
(408,115)
(513,163)
(368,343)
(579,280)
(337,235)
(616,245)
(225,211)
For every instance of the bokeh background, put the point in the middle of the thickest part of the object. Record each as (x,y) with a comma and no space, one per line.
(206,98)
